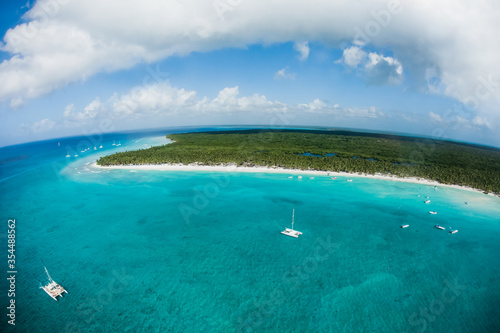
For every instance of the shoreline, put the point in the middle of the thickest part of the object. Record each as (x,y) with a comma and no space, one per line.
(262,169)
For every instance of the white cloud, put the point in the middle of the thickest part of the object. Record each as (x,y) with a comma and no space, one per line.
(68,110)
(383,70)
(480,121)
(282,74)
(42,126)
(16,102)
(156,103)
(315,106)
(353,56)
(303,49)
(456,121)
(227,96)
(373,67)
(319,107)
(69,41)
(156,98)
(161,104)
(228,101)
(435,117)
(91,110)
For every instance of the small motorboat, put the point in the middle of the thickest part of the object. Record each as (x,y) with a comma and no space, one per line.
(433,212)
(427,201)
(453,231)
(405,226)
(299,177)
(349,180)
(437,226)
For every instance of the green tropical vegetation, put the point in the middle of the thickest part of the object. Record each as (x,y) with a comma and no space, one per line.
(342,151)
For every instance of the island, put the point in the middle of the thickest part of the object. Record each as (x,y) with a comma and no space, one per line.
(446,162)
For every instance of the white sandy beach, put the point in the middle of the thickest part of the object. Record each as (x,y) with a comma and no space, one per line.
(290,172)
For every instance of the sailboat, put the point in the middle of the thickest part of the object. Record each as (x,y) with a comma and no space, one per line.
(119,143)
(53,289)
(114,144)
(291,232)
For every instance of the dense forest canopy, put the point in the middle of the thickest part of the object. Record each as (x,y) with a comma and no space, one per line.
(444,161)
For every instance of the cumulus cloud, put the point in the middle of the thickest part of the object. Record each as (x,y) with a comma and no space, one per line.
(69,41)
(159,102)
(165,100)
(156,98)
(91,110)
(373,67)
(456,121)
(44,125)
(227,96)
(353,56)
(435,117)
(68,110)
(481,121)
(283,74)
(303,49)
(16,102)
(383,70)
(320,107)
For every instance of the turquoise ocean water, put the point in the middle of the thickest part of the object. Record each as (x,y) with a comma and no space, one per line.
(158,251)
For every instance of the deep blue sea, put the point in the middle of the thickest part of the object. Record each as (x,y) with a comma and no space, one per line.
(164,251)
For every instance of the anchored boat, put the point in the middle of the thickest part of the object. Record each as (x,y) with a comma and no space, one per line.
(53,289)
(291,232)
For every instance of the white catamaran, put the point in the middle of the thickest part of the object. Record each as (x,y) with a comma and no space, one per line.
(53,288)
(291,232)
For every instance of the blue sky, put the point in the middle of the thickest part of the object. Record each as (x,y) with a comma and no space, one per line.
(70,66)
